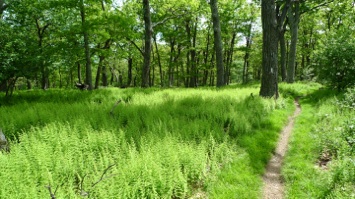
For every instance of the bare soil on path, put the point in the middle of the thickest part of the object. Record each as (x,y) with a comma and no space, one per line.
(273,183)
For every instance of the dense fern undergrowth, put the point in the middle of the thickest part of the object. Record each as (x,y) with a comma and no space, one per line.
(153,143)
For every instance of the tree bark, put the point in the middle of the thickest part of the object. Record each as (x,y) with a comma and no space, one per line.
(171,63)
(159,63)
(217,43)
(212,78)
(269,83)
(99,71)
(230,52)
(88,72)
(79,72)
(101,61)
(205,59)
(283,56)
(294,15)
(193,70)
(104,76)
(130,66)
(44,69)
(191,81)
(147,44)
(152,71)
(187,73)
(282,23)
(247,55)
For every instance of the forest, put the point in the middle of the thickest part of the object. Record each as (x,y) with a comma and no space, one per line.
(176,99)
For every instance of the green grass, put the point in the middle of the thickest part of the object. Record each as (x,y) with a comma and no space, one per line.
(173,143)
(319,130)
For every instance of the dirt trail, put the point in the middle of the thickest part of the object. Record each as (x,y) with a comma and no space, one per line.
(273,184)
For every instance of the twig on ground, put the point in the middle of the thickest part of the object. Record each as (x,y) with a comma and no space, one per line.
(50,191)
(103,174)
(114,106)
(85,193)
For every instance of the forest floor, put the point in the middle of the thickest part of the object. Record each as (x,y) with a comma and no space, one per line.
(273,182)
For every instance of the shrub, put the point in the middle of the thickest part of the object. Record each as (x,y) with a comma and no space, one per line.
(349,99)
(337,62)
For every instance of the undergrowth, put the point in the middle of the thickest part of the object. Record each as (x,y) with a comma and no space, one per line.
(139,143)
(320,161)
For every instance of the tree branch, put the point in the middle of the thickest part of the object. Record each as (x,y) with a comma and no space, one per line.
(163,21)
(318,6)
(135,45)
(45,27)
(50,192)
(282,17)
(114,106)
(103,174)
(40,30)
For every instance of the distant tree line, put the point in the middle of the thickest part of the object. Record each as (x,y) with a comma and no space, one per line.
(60,44)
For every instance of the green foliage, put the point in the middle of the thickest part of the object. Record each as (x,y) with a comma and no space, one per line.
(299,89)
(320,161)
(348,102)
(336,61)
(348,134)
(170,143)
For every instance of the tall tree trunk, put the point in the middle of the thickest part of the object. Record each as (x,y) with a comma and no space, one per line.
(120,79)
(79,72)
(282,23)
(106,46)
(230,52)
(205,59)
(104,76)
(147,44)
(11,86)
(130,66)
(177,62)
(269,84)
(99,71)
(88,72)
(60,78)
(187,73)
(247,55)
(191,72)
(44,70)
(283,56)
(29,84)
(171,62)
(152,72)
(3,6)
(159,63)
(211,70)
(294,15)
(112,76)
(217,43)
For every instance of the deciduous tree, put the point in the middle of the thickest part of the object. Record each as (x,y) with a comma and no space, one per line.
(217,43)
(269,81)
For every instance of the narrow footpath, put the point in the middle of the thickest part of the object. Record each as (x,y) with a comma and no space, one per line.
(273,183)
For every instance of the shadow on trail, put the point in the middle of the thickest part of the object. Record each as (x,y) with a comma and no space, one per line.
(320,95)
(312,97)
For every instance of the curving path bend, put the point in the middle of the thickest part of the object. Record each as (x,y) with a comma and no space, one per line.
(273,183)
